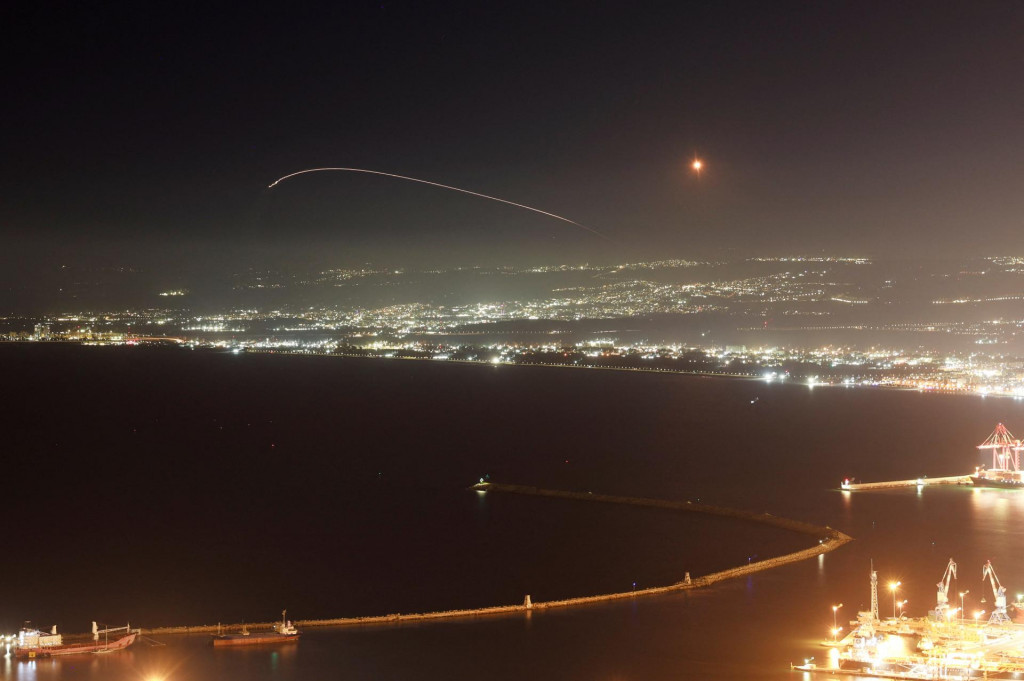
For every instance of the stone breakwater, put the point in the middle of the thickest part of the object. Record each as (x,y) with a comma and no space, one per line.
(916,482)
(828,539)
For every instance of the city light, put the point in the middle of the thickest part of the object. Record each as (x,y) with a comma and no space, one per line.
(623,290)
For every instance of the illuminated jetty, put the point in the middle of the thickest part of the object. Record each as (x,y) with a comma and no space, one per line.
(848,486)
(1006,472)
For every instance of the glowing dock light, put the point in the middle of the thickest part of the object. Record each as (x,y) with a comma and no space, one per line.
(894,587)
(835,628)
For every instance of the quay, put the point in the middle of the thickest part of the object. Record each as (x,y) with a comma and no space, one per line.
(848,486)
(828,539)
(944,645)
(926,649)
(1005,473)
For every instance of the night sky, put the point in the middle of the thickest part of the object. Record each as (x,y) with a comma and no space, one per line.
(145,134)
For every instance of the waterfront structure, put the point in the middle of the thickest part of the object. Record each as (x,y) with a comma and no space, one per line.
(942,645)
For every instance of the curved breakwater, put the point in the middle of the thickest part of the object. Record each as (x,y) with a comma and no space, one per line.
(828,539)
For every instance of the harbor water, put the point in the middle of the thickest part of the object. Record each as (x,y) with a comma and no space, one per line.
(171,487)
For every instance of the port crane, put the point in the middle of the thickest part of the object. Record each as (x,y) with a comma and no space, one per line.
(942,596)
(999,615)
(1005,449)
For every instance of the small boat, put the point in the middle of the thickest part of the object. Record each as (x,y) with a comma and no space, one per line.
(33,644)
(284,632)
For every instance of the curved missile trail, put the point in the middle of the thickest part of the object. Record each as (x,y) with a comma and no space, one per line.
(442,186)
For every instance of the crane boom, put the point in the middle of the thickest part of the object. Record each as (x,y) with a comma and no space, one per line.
(999,615)
(942,595)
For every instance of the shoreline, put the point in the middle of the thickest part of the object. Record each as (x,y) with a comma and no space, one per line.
(176,342)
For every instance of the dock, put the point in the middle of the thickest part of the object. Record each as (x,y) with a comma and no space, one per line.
(955,650)
(826,539)
(847,486)
(946,644)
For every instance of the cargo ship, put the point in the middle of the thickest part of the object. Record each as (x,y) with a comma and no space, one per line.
(284,632)
(996,478)
(33,644)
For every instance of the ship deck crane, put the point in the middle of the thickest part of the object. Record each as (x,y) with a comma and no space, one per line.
(999,615)
(942,595)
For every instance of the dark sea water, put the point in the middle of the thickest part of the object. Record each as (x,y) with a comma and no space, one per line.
(169,487)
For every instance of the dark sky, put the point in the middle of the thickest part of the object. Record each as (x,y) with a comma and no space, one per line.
(146,133)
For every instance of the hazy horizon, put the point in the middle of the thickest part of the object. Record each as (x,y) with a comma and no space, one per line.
(147,136)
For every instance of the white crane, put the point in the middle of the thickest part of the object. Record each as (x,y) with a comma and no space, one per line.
(999,615)
(942,596)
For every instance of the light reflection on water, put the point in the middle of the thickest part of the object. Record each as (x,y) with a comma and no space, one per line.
(666,443)
(775,617)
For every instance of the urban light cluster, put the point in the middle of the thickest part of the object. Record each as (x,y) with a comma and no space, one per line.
(795,297)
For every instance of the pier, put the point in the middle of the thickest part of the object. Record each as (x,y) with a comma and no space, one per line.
(828,539)
(927,649)
(847,486)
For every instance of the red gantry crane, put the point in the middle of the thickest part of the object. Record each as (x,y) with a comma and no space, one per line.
(1005,449)
(999,615)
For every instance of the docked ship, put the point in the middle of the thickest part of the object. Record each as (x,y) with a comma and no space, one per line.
(33,644)
(1005,472)
(284,632)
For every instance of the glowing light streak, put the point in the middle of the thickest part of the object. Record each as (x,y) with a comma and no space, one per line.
(442,186)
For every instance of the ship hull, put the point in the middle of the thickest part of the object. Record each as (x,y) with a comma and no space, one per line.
(997,483)
(230,640)
(74,648)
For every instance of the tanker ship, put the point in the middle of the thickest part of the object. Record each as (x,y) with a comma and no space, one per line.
(33,644)
(284,632)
